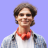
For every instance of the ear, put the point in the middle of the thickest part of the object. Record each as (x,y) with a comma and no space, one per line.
(16,17)
(32,18)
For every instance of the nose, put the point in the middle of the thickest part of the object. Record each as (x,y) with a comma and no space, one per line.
(25,17)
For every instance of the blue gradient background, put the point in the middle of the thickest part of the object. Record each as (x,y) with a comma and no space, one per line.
(7,20)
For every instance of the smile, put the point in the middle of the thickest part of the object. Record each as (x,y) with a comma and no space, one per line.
(24,21)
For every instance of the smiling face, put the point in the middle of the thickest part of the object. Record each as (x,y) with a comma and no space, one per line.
(24,17)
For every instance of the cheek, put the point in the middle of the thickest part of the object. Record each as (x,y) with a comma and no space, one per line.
(30,19)
(19,19)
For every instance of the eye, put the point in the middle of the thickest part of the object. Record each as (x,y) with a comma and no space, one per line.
(28,14)
(21,14)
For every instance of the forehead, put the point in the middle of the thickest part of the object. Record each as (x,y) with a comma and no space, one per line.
(25,10)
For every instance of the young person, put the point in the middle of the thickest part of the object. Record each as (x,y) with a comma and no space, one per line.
(24,37)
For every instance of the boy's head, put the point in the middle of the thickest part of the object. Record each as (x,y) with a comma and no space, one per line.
(25,5)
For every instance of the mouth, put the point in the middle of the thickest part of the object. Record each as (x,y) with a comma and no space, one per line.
(25,21)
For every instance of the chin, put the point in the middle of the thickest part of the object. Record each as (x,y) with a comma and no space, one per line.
(25,26)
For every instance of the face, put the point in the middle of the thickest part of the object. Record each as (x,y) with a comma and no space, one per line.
(24,17)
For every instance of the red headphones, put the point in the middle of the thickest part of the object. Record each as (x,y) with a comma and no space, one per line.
(24,35)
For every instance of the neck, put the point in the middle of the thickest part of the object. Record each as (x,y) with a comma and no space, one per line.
(23,29)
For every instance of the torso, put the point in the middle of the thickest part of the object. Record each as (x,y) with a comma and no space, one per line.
(25,43)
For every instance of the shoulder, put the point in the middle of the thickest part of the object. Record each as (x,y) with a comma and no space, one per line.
(7,40)
(40,40)
(39,37)
(9,37)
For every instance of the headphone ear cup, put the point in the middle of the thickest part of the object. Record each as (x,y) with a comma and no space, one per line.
(23,36)
(28,35)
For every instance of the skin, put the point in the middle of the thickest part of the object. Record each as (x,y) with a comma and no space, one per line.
(24,19)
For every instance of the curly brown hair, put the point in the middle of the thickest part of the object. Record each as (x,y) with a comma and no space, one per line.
(32,9)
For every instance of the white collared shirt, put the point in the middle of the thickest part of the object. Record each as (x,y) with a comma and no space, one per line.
(25,43)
